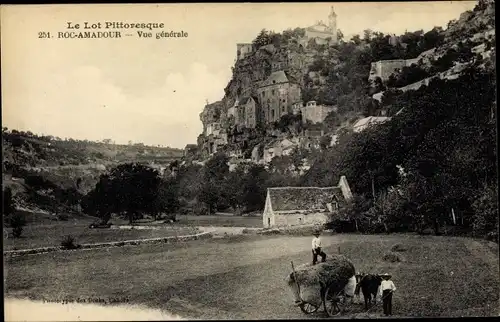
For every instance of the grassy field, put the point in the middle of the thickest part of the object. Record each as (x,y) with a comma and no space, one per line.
(43,235)
(43,230)
(243,278)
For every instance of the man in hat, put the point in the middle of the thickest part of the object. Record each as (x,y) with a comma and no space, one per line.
(316,248)
(386,290)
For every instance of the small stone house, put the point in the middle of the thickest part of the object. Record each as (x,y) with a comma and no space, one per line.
(294,206)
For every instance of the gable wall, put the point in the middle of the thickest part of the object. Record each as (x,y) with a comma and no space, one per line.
(286,220)
(268,213)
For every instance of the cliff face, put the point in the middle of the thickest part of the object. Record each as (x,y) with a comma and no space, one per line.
(249,72)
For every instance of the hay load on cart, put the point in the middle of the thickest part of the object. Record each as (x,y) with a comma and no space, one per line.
(322,284)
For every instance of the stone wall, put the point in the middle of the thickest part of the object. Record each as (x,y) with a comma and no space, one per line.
(344,187)
(316,34)
(297,219)
(385,68)
(171,239)
(243,50)
(315,113)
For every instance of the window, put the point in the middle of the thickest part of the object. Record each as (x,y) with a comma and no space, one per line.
(272,92)
(269,221)
(272,114)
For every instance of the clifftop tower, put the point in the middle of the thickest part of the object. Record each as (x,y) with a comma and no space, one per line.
(332,19)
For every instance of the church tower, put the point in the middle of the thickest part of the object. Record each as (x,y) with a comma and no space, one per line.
(332,19)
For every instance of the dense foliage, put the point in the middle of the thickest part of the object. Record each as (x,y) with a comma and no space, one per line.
(130,190)
(445,140)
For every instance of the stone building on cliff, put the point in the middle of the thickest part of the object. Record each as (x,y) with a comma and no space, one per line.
(277,94)
(315,113)
(294,206)
(321,32)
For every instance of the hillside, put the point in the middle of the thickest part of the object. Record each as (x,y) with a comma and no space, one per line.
(345,80)
(51,174)
(429,165)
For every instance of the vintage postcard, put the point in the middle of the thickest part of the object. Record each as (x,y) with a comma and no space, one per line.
(249,161)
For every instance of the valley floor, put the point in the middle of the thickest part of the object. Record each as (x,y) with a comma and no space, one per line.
(244,277)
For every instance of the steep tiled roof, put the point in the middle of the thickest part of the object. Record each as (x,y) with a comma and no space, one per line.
(303,198)
(275,78)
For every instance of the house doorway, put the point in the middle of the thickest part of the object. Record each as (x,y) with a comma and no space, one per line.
(268,222)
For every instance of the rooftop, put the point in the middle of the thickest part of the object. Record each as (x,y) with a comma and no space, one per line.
(278,77)
(370,120)
(303,198)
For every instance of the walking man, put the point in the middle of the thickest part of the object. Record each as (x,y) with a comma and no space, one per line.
(387,288)
(316,248)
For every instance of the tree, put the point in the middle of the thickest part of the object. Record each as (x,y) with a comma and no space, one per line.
(214,193)
(324,142)
(263,38)
(166,199)
(17,222)
(340,35)
(8,202)
(367,35)
(486,212)
(281,164)
(356,39)
(129,190)
(254,188)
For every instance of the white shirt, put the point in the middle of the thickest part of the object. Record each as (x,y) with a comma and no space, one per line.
(316,242)
(387,285)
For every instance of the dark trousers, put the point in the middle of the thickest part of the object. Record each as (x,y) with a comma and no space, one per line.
(317,252)
(387,296)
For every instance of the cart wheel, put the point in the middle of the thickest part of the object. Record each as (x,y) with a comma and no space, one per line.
(333,302)
(308,308)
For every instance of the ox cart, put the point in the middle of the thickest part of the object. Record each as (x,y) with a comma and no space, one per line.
(333,299)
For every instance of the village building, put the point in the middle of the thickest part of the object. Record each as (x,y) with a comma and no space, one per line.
(294,206)
(276,95)
(315,113)
(278,148)
(250,108)
(243,50)
(323,33)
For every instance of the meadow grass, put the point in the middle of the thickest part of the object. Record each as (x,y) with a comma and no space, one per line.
(245,277)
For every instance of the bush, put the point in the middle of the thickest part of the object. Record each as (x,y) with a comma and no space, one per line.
(391,257)
(492,236)
(341,226)
(201,210)
(62,217)
(486,213)
(68,242)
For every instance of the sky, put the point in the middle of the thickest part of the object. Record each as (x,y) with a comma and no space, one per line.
(152,90)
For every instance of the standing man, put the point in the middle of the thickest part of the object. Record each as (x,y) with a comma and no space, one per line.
(316,248)
(387,288)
